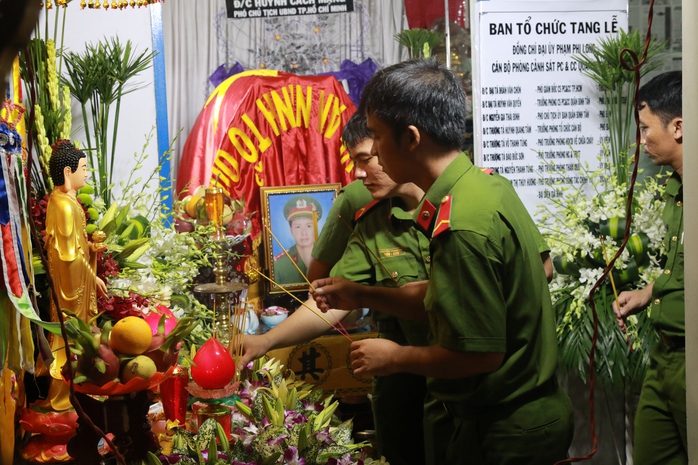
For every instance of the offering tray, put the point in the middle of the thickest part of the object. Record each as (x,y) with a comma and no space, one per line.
(219,288)
(197,391)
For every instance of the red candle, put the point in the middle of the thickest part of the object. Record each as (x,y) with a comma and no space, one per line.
(174,396)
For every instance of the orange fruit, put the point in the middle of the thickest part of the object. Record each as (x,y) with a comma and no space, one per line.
(131,336)
(191,205)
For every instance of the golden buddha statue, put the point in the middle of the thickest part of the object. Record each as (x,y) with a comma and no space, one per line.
(72,258)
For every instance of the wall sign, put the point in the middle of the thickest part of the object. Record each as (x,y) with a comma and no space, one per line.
(533,108)
(271,8)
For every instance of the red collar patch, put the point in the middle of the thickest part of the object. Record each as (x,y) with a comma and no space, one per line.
(426,215)
(293,257)
(443,219)
(360,212)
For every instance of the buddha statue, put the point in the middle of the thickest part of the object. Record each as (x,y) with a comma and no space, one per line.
(72,257)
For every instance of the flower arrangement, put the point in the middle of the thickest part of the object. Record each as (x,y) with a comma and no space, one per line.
(584,232)
(147,261)
(276,420)
(585,227)
(39,65)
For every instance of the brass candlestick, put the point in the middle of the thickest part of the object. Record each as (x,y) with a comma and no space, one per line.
(214,209)
(221,288)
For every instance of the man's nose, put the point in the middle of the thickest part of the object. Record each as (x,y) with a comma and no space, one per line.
(358,172)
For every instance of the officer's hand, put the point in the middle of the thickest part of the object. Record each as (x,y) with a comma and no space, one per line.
(253,348)
(631,302)
(374,357)
(336,293)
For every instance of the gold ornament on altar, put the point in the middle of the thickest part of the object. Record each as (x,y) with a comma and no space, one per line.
(96,5)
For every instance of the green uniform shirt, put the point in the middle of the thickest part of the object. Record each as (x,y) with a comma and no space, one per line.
(335,233)
(389,232)
(488,291)
(285,272)
(667,306)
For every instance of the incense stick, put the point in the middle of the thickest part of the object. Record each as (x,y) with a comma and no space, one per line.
(289,256)
(613,286)
(610,274)
(238,338)
(343,333)
(301,273)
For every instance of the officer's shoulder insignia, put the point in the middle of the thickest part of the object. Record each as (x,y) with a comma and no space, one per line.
(362,211)
(294,257)
(487,170)
(443,219)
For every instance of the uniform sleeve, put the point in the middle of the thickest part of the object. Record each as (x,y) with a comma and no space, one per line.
(541,243)
(335,233)
(355,264)
(465,299)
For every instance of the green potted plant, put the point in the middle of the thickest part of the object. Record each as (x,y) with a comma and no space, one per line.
(98,79)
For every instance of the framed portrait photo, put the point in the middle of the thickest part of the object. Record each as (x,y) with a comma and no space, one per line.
(293,217)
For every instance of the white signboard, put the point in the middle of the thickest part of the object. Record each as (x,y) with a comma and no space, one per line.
(533,108)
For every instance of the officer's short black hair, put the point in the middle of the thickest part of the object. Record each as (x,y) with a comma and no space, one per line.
(356,131)
(421,93)
(64,154)
(662,95)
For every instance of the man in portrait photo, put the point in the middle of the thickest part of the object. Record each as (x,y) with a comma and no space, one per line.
(302,212)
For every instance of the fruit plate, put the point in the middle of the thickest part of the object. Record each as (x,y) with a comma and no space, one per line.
(118,389)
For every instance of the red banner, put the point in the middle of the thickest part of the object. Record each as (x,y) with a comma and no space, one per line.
(268,128)
(421,14)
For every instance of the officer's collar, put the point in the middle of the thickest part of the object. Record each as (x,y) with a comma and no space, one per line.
(426,211)
(674,184)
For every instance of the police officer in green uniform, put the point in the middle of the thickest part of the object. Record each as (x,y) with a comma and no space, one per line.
(387,250)
(660,421)
(385,227)
(493,350)
(302,213)
(339,224)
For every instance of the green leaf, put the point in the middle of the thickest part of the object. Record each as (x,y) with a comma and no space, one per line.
(222,437)
(212,448)
(271,460)
(153,459)
(131,247)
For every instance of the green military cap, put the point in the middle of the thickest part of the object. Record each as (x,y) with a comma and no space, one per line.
(299,205)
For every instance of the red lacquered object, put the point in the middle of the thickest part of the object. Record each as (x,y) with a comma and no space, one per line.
(174,395)
(213,367)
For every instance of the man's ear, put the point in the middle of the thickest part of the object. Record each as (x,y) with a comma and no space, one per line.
(677,128)
(414,137)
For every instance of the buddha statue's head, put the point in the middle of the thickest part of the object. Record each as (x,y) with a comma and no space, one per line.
(65,155)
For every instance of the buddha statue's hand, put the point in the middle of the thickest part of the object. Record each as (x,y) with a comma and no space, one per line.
(98,247)
(101,287)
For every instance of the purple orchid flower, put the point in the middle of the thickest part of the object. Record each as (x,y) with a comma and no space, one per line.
(277,440)
(291,457)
